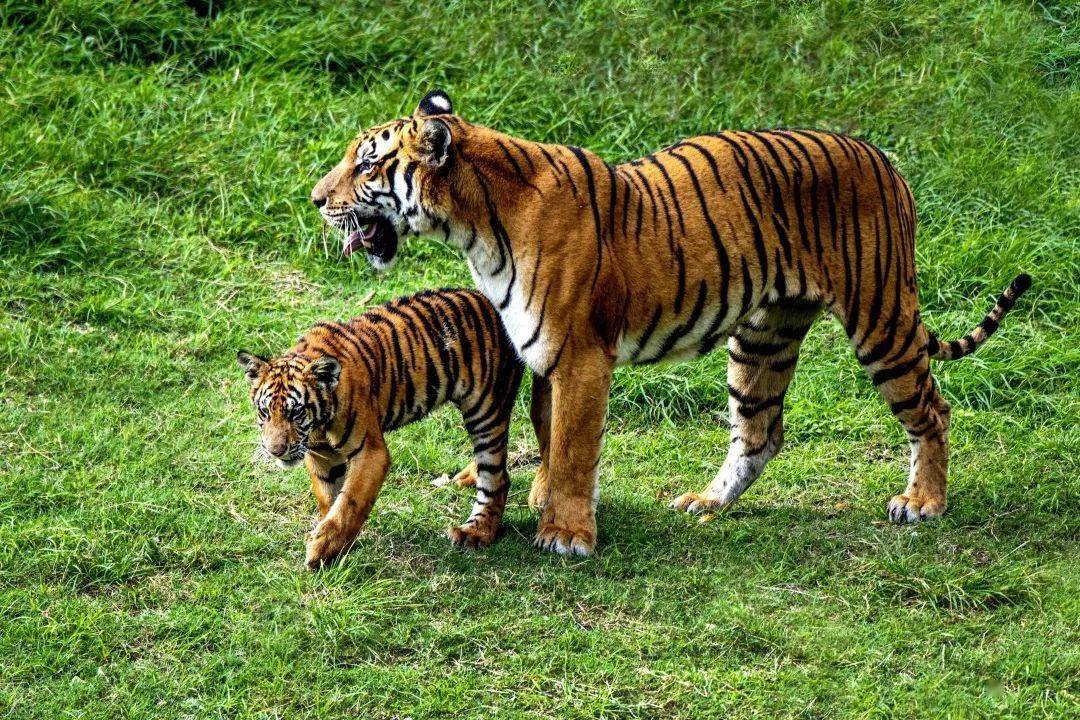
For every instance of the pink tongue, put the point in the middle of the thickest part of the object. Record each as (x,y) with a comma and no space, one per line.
(358,238)
(352,242)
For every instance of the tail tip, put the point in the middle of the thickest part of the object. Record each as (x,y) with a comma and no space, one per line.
(1021,284)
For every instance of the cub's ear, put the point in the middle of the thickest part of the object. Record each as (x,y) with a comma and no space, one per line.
(325,371)
(252,365)
(433,143)
(436,102)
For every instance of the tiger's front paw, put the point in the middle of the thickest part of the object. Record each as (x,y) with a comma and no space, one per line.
(472,536)
(467,477)
(695,503)
(912,508)
(325,543)
(567,530)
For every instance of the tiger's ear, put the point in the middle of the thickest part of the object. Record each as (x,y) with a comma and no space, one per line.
(252,365)
(433,142)
(436,102)
(325,371)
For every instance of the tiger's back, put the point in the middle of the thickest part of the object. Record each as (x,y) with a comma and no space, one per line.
(414,353)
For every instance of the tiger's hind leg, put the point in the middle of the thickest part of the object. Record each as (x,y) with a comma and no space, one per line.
(761,362)
(902,376)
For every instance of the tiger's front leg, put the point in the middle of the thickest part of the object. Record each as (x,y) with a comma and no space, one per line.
(326,470)
(579,397)
(492,484)
(540,415)
(488,422)
(364,476)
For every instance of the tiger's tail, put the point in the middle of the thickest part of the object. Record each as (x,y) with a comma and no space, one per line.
(968,344)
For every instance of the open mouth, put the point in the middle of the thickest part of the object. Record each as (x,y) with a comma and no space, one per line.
(377,237)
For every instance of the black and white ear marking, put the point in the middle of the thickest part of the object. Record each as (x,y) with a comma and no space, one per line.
(325,371)
(436,102)
(250,364)
(433,145)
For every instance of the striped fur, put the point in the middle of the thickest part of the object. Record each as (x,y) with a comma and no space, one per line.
(331,398)
(736,238)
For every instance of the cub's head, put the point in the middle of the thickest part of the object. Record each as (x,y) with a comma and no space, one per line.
(293,395)
(387,183)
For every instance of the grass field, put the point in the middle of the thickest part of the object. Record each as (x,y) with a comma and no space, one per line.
(154,218)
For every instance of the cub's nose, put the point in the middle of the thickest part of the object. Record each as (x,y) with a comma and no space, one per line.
(319,201)
(277,449)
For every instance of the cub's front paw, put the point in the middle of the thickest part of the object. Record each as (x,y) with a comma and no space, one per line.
(324,544)
(912,508)
(472,536)
(695,503)
(467,477)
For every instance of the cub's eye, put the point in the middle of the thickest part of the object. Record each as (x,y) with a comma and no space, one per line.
(364,166)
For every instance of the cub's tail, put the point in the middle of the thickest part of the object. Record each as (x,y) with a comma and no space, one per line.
(968,344)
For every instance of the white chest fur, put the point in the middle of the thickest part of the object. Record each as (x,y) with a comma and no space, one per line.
(530,339)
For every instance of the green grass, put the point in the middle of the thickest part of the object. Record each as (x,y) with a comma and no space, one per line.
(154,218)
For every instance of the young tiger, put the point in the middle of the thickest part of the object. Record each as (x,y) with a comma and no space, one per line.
(742,238)
(330,399)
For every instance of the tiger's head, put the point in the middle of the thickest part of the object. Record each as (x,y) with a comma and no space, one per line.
(293,396)
(386,185)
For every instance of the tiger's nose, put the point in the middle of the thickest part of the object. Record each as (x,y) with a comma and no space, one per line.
(319,201)
(277,449)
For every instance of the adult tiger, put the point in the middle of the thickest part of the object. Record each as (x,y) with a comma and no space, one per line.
(741,237)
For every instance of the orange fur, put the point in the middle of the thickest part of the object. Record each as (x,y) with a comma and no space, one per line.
(741,238)
(395,364)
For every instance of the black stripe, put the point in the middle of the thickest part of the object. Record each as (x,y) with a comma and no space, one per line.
(410,170)
(759,240)
(573,185)
(524,153)
(685,328)
(648,190)
(712,163)
(744,168)
(989,325)
(680,288)
(815,183)
(517,168)
(671,188)
(550,161)
(649,330)
(756,408)
(714,233)
(760,348)
(555,363)
(782,365)
(595,209)
(539,325)
(897,371)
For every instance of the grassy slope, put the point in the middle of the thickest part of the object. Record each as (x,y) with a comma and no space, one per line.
(153,219)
